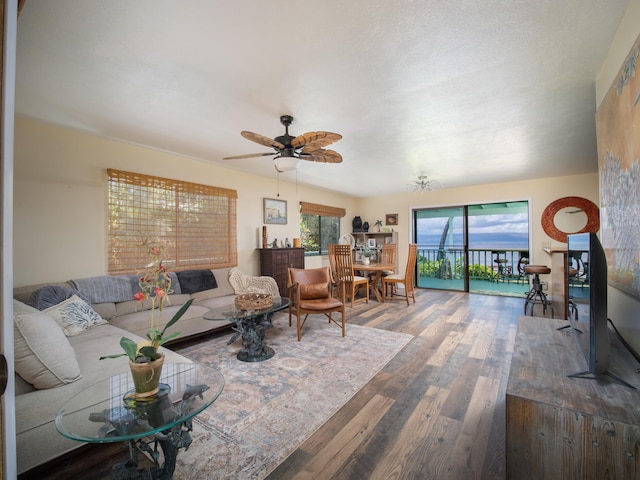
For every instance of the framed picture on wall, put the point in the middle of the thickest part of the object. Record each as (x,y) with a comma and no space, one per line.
(391,219)
(275,211)
(371,242)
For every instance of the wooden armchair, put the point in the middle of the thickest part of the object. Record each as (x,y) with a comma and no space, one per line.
(310,293)
(391,281)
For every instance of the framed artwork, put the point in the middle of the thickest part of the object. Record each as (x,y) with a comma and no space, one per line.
(618,132)
(371,242)
(391,219)
(275,211)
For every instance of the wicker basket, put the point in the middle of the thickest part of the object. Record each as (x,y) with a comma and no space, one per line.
(254,301)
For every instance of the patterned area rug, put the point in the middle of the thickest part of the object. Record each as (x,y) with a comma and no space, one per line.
(268,409)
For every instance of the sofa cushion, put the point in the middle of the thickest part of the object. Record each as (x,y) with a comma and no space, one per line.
(74,316)
(105,288)
(192,281)
(106,310)
(51,295)
(133,306)
(43,355)
(138,323)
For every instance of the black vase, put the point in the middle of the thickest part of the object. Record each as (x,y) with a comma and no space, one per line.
(365,226)
(357,224)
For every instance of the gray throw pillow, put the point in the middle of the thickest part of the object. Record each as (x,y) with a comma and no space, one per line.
(51,295)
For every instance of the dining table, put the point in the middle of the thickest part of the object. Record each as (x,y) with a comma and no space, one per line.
(375,271)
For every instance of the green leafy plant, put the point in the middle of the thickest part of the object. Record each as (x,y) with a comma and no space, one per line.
(155,285)
(368,252)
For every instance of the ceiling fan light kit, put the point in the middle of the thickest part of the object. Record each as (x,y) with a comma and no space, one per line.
(289,149)
(285,163)
(423,184)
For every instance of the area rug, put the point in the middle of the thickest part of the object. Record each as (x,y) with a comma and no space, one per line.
(268,409)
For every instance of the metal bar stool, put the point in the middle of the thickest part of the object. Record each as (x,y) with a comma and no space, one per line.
(503,269)
(536,296)
(573,307)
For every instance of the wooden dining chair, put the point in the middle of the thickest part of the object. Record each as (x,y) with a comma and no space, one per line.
(388,256)
(406,279)
(342,258)
(310,293)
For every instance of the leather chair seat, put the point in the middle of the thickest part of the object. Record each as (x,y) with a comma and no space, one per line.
(320,304)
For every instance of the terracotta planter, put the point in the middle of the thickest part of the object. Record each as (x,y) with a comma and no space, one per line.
(146,377)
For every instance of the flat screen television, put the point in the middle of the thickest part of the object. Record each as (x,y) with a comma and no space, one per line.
(586,255)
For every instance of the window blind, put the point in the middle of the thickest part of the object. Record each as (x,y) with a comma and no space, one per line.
(195,224)
(323,210)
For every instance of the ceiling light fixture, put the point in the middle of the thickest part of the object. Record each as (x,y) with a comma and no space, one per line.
(285,163)
(423,184)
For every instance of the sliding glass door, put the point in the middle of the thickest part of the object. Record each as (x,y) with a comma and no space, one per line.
(440,235)
(474,248)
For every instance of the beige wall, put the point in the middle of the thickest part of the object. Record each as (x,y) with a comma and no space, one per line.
(622,308)
(60,198)
(538,192)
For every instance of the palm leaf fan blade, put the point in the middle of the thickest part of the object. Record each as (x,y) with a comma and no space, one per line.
(317,139)
(261,139)
(321,155)
(249,155)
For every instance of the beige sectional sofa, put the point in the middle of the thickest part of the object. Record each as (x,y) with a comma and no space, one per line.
(52,367)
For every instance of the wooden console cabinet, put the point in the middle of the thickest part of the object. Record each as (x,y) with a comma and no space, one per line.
(558,427)
(274,262)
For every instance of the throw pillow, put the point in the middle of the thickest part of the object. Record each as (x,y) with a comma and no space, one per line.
(43,355)
(74,316)
(314,291)
(192,281)
(51,295)
(105,288)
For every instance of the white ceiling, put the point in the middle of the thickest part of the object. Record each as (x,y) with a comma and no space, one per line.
(466,92)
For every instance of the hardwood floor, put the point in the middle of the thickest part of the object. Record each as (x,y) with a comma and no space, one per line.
(436,410)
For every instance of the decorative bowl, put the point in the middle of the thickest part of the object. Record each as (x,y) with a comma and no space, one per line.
(254,301)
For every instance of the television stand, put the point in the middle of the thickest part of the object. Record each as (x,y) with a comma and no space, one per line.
(563,427)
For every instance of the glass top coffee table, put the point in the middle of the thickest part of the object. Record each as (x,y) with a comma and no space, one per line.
(106,412)
(251,326)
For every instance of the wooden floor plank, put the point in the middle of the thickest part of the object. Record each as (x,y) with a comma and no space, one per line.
(326,462)
(419,424)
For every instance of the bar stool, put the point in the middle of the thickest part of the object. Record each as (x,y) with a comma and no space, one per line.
(502,267)
(536,295)
(573,307)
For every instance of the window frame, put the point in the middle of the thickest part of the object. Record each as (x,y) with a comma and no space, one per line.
(320,251)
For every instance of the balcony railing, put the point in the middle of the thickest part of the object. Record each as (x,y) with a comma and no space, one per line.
(484,264)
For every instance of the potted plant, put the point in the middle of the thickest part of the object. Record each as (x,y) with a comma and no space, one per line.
(144,358)
(366,253)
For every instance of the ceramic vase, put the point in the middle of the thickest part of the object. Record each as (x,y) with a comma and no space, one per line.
(365,226)
(365,260)
(357,224)
(146,377)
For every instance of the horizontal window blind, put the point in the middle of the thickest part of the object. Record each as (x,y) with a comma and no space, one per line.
(323,210)
(195,224)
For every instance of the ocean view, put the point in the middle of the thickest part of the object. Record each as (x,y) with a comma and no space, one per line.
(479,241)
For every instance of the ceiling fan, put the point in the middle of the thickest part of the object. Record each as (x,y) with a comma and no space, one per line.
(289,149)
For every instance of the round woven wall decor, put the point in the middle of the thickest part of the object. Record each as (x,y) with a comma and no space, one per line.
(590,209)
